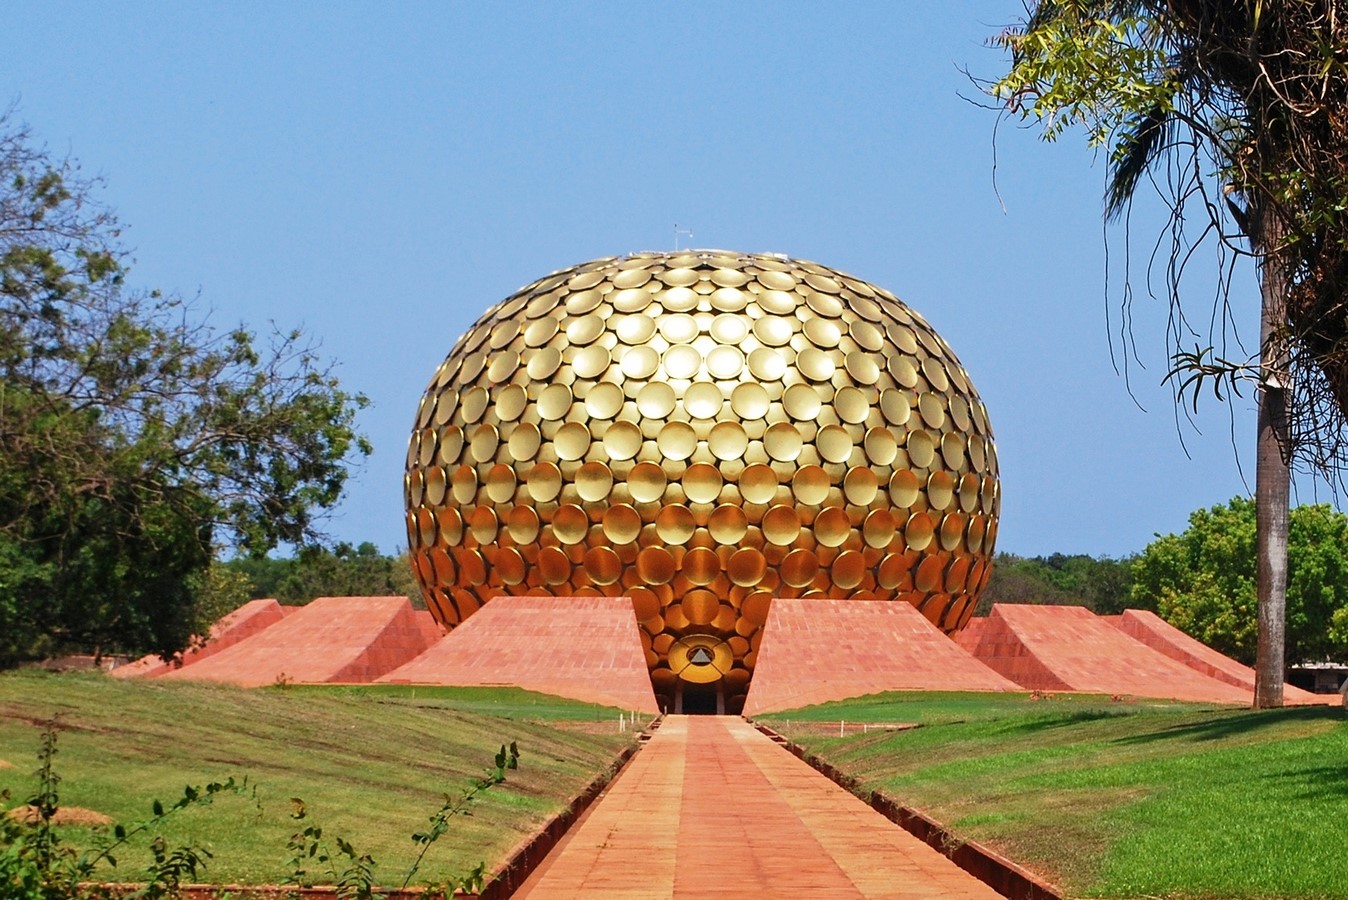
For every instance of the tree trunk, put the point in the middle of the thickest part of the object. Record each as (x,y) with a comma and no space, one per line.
(1272,474)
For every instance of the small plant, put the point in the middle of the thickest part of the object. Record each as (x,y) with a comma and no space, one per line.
(506,758)
(355,879)
(352,873)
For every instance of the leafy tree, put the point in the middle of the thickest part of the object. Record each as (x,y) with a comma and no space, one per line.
(1233,112)
(344,571)
(134,439)
(1099,584)
(1203,581)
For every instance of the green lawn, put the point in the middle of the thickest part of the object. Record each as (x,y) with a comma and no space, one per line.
(371,763)
(1108,799)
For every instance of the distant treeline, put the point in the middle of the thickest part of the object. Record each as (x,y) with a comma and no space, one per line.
(1102,585)
(344,571)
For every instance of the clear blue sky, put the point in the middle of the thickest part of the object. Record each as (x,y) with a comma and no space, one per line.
(380,174)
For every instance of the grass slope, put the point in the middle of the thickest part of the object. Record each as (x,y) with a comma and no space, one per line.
(371,763)
(1146,799)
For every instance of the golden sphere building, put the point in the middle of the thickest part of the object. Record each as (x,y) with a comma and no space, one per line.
(702,431)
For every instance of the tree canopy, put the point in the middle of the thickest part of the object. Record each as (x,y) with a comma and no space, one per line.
(136,440)
(1203,580)
(1102,585)
(1235,116)
(343,571)
(1234,113)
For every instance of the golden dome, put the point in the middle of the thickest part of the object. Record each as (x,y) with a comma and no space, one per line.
(702,431)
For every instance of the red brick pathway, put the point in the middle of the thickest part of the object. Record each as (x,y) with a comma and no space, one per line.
(712,808)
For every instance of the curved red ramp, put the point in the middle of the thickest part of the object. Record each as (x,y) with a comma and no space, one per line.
(815,651)
(250,619)
(333,639)
(1070,648)
(1150,629)
(583,648)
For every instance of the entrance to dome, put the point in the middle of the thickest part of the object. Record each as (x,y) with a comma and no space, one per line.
(700,699)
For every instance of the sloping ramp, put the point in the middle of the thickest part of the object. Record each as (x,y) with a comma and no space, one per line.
(814,651)
(333,639)
(244,622)
(1069,648)
(1150,629)
(584,648)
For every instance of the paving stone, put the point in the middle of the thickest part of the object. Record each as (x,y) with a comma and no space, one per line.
(710,808)
(585,648)
(814,651)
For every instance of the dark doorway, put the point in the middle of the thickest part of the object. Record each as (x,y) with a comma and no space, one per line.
(700,703)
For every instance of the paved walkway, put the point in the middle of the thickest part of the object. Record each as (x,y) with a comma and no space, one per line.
(712,808)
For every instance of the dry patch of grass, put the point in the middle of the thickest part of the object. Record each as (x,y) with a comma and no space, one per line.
(66,815)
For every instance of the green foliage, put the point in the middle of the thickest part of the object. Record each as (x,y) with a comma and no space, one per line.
(1203,581)
(135,440)
(343,571)
(372,761)
(352,872)
(1232,114)
(1102,585)
(507,758)
(1088,64)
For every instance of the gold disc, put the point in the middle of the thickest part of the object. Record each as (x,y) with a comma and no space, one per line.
(810,485)
(677,440)
(594,482)
(758,483)
(570,524)
(646,482)
(728,441)
(802,402)
(703,400)
(781,525)
(728,524)
(604,400)
(832,526)
(622,440)
(702,483)
(749,400)
(834,443)
(639,363)
(656,400)
(675,524)
(682,361)
(783,442)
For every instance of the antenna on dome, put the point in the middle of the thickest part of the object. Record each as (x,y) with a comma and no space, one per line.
(685,232)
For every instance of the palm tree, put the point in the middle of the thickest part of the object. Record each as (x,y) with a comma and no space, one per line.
(1258,92)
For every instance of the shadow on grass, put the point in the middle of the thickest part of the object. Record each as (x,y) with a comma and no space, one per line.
(1060,720)
(1236,723)
(1319,782)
